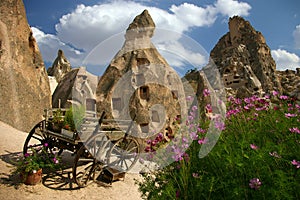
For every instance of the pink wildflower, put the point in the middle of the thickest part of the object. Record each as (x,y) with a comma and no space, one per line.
(253,146)
(296,163)
(206,92)
(202,141)
(283,97)
(220,125)
(193,135)
(255,183)
(275,93)
(288,115)
(295,130)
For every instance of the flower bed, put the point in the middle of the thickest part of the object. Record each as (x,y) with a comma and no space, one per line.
(256,157)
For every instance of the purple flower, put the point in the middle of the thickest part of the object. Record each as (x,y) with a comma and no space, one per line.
(202,141)
(255,183)
(275,93)
(200,130)
(237,101)
(296,163)
(253,146)
(283,97)
(295,130)
(46,144)
(194,135)
(206,92)
(178,153)
(288,115)
(208,108)
(55,160)
(194,108)
(26,155)
(220,125)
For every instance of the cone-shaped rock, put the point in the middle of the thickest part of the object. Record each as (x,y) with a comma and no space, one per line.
(139,84)
(60,66)
(244,60)
(24,85)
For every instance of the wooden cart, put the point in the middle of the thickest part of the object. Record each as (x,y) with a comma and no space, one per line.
(94,145)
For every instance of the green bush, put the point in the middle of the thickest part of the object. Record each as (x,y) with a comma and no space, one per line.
(74,117)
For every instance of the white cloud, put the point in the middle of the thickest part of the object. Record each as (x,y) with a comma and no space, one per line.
(49,45)
(296,35)
(87,26)
(285,60)
(231,8)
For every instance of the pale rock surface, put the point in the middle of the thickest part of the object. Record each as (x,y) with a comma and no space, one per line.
(76,87)
(24,84)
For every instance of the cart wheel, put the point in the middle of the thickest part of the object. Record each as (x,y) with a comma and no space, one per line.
(124,154)
(88,163)
(38,137)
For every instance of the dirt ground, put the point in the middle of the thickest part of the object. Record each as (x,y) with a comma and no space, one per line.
(53,187)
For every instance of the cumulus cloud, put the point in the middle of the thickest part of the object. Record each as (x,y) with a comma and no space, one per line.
(285,60)
(49,45)
(296,35)
(81,30)
(231,8)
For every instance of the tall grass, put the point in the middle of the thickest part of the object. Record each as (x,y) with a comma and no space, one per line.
(256,157)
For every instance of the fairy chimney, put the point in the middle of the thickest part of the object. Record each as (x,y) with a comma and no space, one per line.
(24,84)
(60,66)
(139,84)
(244,60)
(77,87)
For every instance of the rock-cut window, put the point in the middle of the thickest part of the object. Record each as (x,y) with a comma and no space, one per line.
(116,104)
(144,92)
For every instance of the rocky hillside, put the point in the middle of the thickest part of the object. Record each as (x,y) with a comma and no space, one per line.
(25,91)
(290,81)
(244,60)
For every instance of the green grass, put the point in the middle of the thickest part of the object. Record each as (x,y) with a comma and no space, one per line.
(258,142)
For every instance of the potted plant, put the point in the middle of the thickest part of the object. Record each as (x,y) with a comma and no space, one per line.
(74,118)
(57,122)
(30,165)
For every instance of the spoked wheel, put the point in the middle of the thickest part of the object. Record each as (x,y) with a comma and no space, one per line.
(124,154)
(37,138)
(89,163)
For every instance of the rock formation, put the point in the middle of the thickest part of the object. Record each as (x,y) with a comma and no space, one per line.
(139,84)
(290,81)
(244,60)
(60,66)
(25,91)
(77,87)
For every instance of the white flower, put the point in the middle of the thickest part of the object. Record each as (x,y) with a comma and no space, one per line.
(34,171)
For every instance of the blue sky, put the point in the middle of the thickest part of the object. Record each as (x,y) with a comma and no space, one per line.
(91,32)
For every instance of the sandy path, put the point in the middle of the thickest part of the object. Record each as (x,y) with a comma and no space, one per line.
(11,144)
